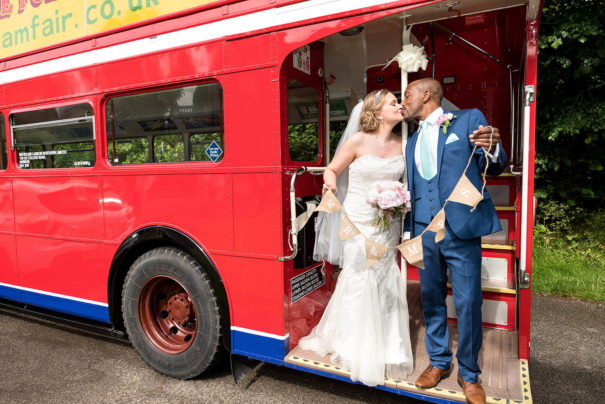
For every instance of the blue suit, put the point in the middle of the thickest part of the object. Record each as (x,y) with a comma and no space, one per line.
(460,251)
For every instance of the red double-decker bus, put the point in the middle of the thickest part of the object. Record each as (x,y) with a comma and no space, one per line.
(154,160)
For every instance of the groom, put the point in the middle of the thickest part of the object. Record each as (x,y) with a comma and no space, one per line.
(435,163)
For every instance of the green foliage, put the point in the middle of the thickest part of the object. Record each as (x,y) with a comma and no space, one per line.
(569,252)
(303,141)
(570,129)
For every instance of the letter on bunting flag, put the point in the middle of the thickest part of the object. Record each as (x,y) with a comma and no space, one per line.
(329,203)
(412,252)
(347,229)
(465,192)
(374,252)
(438,226)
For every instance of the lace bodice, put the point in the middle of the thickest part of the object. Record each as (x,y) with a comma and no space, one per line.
(362,173)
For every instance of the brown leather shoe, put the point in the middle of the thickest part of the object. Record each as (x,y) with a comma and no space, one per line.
(431,376)
(472,391)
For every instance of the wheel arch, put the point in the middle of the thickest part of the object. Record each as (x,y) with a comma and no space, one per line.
(151,237)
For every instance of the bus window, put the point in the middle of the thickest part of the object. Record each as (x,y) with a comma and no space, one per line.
(303,122)
(165,126)
(3,143)
(60,137)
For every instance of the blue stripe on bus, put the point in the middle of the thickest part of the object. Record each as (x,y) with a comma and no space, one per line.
(56,303)
(259,347)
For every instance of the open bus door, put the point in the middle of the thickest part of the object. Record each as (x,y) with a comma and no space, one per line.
(484,59)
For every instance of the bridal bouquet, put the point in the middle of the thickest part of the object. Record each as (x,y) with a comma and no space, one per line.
(391,199)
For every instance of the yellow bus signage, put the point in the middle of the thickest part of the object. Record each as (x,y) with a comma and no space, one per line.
(27,25)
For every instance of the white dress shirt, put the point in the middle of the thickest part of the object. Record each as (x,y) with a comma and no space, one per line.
(433,134)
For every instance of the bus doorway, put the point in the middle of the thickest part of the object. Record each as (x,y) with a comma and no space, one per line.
(487,78)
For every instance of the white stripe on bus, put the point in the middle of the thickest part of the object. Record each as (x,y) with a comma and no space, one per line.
(202,33)
(43,292)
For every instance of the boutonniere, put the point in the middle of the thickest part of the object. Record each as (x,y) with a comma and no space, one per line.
(445,120)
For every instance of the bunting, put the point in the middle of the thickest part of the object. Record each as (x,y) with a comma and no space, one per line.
(464,192)
(374,252)
(347,229)
(412,251)
(329,203)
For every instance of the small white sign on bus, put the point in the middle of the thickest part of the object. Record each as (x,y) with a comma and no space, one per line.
(302,59)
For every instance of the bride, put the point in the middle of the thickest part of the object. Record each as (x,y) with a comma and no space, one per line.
(365,327)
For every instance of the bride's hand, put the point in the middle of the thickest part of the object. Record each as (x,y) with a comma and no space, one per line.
(325,188)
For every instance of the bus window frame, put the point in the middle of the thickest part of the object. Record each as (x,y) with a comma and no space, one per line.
(4,124)
(13,146)
(287,72)
(106,97)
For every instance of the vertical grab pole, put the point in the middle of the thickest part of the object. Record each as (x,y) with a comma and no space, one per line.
(405,39)
(523,275)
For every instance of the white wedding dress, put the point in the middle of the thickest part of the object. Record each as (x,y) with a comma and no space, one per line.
(365,327)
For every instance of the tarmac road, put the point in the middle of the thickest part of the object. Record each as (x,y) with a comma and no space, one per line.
(45,362)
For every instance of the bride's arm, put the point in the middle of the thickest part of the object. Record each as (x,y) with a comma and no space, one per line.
(344,156)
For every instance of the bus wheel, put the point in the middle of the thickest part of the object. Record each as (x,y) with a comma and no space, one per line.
(171,313)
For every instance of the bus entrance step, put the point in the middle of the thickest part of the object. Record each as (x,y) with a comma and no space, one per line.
(505,377)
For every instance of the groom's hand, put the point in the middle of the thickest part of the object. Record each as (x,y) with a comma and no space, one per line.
(481,137)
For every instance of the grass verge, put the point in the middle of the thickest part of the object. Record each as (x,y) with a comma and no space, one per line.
(570,263)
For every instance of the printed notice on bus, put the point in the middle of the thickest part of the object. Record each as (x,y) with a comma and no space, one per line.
(302,59)
(214,151)
(305,283)
(31,25)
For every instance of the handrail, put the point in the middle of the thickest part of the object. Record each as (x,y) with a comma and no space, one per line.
(523,275)
(293,232)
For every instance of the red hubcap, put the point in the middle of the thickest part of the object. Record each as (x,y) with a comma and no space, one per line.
(167,315)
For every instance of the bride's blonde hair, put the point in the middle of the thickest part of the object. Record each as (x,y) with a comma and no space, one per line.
(371,105)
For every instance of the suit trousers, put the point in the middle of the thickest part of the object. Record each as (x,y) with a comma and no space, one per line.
(463,258)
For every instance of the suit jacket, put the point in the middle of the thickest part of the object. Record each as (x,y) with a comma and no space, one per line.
(451,162)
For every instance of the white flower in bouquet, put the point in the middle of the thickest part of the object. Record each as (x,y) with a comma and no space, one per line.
(391,199)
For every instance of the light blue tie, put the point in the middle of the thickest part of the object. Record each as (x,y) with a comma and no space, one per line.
(426,159)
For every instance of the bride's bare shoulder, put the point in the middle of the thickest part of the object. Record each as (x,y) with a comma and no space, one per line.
(354,141)
(356,138)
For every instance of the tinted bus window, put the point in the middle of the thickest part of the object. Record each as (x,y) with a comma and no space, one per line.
(61,137)
(303,122)
(166,126)
(3,143)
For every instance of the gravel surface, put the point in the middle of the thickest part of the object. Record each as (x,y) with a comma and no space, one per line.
(45,362)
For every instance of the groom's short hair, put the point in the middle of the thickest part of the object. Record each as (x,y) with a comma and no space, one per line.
(433,86)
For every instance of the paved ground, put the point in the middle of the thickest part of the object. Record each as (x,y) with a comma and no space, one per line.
(43,362)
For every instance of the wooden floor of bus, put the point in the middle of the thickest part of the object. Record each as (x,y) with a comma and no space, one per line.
(502,371)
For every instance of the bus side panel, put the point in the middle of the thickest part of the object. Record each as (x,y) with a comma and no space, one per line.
(256,296)
(8,258)
(257,205)
(63,275)
(81,81)
(248,52)
(59,233)
(8,268)
(59,207)
(199,204)
(252,118)
(167,66)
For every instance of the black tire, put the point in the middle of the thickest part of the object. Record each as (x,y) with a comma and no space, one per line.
(171,313)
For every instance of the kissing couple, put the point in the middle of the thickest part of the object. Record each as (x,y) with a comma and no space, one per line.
(365,327)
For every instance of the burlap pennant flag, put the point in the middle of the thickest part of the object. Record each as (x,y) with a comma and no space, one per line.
(438,226)
(465,192)
(347,229)
(374,252)
(412,252)
(329,203)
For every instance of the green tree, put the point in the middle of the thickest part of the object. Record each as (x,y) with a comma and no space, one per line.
(570,129)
